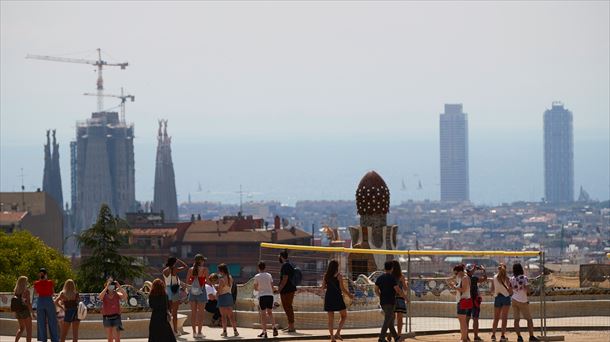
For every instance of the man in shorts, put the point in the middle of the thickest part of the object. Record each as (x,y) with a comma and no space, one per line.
(476,298)
(263,284)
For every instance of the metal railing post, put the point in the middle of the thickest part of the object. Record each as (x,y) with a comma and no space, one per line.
(409,311)
(542,296)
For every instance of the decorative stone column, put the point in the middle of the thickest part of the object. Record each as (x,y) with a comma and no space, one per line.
(373,204)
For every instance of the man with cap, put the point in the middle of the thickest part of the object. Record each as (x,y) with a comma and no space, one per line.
(45,308)
(476,298)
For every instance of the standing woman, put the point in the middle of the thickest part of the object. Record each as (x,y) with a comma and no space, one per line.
(400,307)
(45,309)
(225,299)
(333,299)
(501,289)
(68,300)
(464,302)
(172,287)
(196,277)
(159,329)
(521,306)
(23,311)
(111,297)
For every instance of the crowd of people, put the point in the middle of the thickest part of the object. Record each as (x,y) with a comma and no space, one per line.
(216,294)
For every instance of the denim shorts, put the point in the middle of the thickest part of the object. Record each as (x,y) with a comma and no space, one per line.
(71,315)
(172,296)
(501,301)
(113,321)
(225,300)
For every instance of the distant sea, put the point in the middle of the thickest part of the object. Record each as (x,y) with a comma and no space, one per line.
(330,169)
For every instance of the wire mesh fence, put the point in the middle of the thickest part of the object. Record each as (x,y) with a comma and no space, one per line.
(555,300)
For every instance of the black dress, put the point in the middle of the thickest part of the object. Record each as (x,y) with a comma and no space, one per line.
(333,300)
(159,329)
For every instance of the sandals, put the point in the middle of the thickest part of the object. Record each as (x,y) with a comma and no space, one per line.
(337,337)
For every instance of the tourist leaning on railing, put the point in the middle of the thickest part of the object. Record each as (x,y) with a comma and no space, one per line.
(520,285)
(111,297)
(464,301)
(225,299)
(22,307)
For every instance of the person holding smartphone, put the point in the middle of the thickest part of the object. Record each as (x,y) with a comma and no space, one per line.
(111,297)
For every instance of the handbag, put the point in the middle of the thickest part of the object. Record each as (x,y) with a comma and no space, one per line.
(17,304)
(401,304)
(81,313)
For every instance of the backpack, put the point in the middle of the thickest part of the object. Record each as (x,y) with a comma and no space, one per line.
(17,304)
(297,275)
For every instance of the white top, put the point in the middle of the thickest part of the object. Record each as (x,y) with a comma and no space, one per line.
(499,288)
(461,295)
(265,284)
(210,290)
(519,291)
(171,280)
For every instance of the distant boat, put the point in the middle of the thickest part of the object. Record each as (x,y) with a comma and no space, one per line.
(404,186)
(419,186)
(199,188)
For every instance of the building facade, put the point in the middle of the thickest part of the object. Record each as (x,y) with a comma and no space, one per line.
(103,162)
(165,198)
(558,155)
(36,212)
(455,180)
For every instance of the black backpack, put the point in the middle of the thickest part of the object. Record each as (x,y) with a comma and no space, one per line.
(297,275)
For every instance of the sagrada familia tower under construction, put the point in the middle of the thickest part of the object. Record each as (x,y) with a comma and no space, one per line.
(165,200)
(51,180)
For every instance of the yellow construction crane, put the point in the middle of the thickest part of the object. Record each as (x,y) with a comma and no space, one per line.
(100,63)
(123,98)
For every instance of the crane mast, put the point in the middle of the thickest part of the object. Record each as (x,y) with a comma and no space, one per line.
(123,98)
(100,63)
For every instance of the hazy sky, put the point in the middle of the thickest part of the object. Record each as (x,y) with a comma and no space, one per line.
(238,72)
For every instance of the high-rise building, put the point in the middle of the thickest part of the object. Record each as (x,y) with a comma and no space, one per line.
(51,180)
(455,185)
(103,162)
(558,155)
(165,200)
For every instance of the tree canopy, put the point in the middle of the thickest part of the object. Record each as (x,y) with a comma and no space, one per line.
(22,253)
(101,244)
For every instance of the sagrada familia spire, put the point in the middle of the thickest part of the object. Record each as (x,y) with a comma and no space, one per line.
(51,180)
(165,199)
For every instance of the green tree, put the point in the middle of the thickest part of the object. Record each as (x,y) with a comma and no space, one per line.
(22,253)
(102,243)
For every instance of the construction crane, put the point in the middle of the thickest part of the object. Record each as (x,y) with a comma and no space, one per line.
(123,98)
(100,63)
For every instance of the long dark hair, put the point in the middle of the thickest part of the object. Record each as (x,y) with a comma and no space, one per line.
(517,269)
(331,270)
(396,271)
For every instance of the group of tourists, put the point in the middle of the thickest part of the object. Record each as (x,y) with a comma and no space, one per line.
(216,294)
(506,292)
(68,301)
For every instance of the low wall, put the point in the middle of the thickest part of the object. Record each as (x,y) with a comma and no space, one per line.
(135,325)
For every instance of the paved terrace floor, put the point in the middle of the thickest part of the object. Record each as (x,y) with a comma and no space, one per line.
(418,324)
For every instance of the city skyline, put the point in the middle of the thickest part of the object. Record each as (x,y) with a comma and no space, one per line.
(232,91)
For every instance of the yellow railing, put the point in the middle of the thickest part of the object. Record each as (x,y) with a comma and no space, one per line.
(400,252)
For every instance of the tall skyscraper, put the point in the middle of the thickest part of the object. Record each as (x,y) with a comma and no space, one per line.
(558,155)
(103,162)
(454,154)
(51,180)
(165,184)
